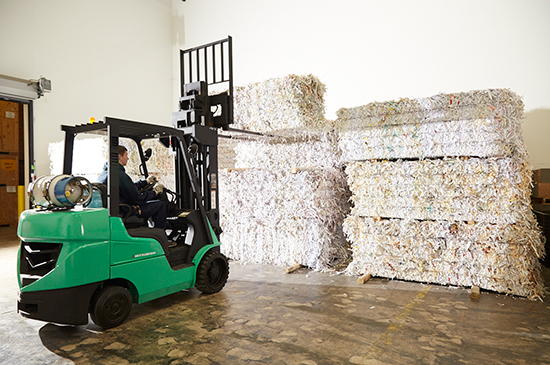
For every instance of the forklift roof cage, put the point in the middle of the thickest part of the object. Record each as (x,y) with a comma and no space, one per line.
(114,129)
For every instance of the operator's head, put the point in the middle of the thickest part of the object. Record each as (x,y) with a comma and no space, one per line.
(122,155)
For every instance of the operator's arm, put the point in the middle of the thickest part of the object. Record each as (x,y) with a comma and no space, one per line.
(140,184)
(130,193)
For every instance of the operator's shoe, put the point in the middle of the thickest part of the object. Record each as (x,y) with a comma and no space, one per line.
(172,244)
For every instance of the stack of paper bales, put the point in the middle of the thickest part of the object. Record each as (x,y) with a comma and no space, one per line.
(285,200)
(441,190)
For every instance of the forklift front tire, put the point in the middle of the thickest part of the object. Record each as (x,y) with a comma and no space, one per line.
(111,306)
(212,273)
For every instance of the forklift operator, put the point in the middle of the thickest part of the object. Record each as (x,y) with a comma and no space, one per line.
(149,205)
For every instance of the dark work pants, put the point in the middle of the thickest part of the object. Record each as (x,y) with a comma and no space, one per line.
(156,210)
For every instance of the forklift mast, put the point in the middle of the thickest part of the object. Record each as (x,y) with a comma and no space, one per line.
(202,111)
(202,68)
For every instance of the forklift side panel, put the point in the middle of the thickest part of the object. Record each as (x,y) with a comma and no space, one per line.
(154,278)
(126,248)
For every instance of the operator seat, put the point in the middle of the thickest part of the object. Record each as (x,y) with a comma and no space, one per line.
(128,213)
(136,226)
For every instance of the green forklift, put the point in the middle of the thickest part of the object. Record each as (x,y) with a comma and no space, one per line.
(80,257)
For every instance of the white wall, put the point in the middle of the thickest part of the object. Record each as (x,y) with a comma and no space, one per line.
(104,58)
(370,50)
(120,57)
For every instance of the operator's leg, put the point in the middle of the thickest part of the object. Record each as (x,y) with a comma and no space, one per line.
(156,210)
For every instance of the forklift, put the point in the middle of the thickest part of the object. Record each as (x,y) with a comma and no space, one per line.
(80,256)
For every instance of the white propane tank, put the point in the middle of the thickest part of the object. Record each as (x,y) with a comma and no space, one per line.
(60,191)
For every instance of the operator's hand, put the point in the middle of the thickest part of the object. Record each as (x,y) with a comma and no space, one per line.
(152,180)
(159,188)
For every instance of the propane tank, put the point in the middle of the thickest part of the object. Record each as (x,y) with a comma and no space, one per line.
(60,191)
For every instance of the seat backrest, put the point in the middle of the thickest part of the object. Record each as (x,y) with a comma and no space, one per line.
(102,189)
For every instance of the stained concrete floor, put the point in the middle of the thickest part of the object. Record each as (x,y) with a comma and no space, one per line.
(264,316)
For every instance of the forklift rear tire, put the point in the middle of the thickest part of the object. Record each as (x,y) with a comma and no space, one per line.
(111,306)
(212,273)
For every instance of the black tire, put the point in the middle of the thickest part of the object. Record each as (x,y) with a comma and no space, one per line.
(111,306)
(212,272)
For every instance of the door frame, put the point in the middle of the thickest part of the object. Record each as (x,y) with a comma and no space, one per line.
(28,142)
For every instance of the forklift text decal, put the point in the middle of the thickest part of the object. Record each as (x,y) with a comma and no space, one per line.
(144,254)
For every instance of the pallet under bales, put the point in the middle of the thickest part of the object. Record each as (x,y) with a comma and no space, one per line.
(448,219)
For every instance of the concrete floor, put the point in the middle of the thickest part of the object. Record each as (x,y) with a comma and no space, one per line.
(264,316)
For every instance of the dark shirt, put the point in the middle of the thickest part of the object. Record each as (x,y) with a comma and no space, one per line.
(129,191)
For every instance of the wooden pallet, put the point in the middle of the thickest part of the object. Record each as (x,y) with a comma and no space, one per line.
(539,200)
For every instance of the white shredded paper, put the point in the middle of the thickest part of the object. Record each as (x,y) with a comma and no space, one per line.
(499,257)
(472,105)
(441,192)
(478,137)
(303,150)
(482,123)
(288,102)
(283,217)
(285,201)
(490,190)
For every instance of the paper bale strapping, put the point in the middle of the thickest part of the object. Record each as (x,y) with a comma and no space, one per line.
(471,105)
(501,257)
(283,218)
(492,190)
(280,103)
(306,150)
(477,137)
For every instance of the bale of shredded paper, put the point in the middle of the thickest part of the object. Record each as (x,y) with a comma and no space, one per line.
(282,218)
(479,137)
(482,123)
(471,105)
(300,150)
(492,190)
(501,257)
(280,103)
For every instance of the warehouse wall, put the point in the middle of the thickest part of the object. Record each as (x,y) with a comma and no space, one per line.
(103,57)
(367,50)
(119,58)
